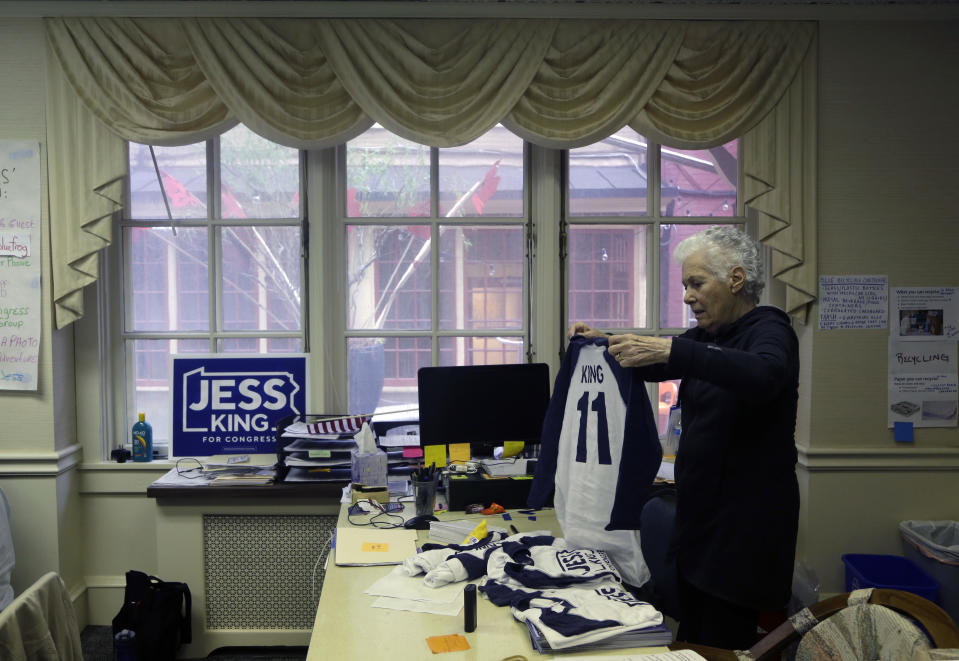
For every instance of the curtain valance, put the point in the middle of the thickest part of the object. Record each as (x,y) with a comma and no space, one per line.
(310,83)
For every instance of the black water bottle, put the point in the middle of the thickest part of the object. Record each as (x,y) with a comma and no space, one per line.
(123,646)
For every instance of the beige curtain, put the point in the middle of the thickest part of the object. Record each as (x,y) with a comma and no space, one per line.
(779,161)
(86,165)
(317,82)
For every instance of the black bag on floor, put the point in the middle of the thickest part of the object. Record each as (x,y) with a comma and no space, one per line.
(158,612)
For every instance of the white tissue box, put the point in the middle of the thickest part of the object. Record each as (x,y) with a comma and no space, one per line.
(369,468)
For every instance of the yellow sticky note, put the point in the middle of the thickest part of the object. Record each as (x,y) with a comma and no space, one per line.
(450,643)
(459,452)
(512,448)
(434,454)
(375,547)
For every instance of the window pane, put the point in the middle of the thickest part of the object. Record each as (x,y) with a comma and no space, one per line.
(259,178)
(388,271)
(261,345)
(261,278)
(151,375)
(386,176)
(668,396)
(700,182)
(168,278)
(504,350)
(481,277)
(673,313)
(183,173)
(382,371)
(484,177)
(608,178)
(607,275)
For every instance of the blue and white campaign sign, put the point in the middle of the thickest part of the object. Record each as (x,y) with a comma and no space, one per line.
(229,403)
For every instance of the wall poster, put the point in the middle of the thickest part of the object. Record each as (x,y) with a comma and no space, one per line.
(923,376)
(20,305)
(230,403)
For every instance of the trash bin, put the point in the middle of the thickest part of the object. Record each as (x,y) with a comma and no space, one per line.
(891,572)
(934,547)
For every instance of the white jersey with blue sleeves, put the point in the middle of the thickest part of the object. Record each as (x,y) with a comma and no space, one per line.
(601,451)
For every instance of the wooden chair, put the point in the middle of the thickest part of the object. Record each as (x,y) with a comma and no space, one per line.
(935,622)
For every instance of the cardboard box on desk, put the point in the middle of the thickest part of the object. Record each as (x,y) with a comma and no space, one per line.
(361,492)
(369,468)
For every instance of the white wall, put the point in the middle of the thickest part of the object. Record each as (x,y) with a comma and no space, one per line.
(888,165)
(37,441)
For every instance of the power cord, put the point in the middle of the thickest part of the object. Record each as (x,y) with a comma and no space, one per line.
(329,541)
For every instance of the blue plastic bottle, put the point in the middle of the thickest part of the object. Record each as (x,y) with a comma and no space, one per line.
(142,438)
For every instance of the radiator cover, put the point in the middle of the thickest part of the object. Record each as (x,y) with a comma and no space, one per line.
(264,572)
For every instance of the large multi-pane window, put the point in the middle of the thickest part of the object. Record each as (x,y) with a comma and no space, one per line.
(433,251)
(436,260)
(212,260)
(631,201)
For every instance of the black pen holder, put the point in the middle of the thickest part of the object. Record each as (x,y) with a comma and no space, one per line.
(424,495)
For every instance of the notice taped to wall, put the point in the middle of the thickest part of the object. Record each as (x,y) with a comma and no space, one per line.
(19,264)
(923,383)
(853,301)
(925,314)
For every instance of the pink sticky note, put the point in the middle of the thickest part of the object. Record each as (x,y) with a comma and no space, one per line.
(412,452)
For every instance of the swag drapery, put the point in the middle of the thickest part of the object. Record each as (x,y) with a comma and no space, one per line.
(310,83)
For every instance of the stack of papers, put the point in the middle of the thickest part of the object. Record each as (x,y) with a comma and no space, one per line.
(240,481)
(454,532)
(504,467)
(319,451)
(319,474)
(400,591)
(223,470)
(644,637)
(373,546)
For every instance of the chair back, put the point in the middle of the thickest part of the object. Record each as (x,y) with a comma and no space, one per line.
(40,624)
(871,623)
(656,521)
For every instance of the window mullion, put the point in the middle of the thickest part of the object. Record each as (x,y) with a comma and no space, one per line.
(529,231)
(304,253)
(434,255)
(547,289)
(654,209)
(214,243)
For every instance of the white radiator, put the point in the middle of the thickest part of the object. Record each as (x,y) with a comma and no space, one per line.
(264,571)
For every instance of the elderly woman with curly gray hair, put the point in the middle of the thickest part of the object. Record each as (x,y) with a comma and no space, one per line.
(737,495)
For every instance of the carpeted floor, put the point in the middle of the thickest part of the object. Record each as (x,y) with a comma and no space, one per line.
(98,646)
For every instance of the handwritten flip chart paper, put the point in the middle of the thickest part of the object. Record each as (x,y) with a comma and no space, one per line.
(853,301)
(19,264)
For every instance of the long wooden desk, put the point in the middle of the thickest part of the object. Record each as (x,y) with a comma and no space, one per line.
(347,626)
